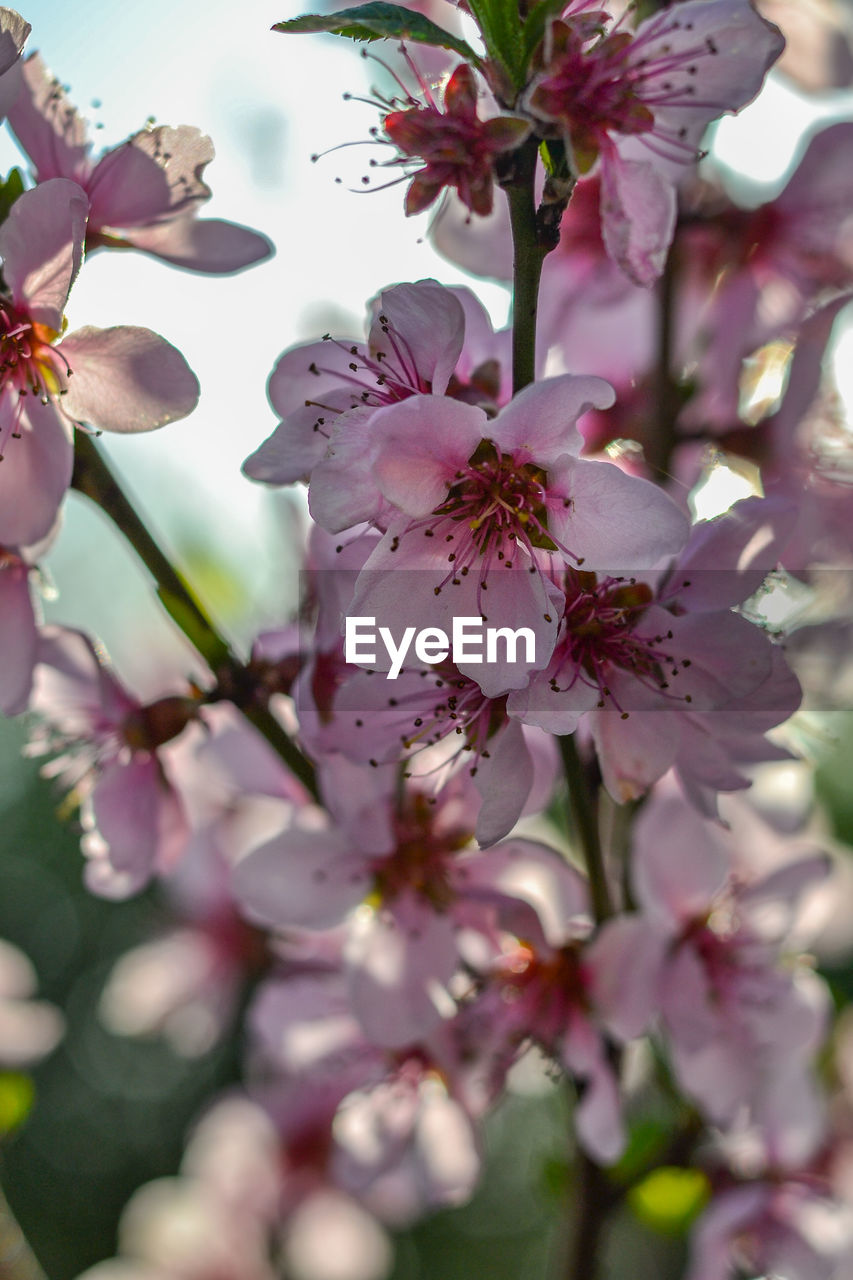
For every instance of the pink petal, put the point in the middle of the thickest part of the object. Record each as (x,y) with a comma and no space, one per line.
(540,422)
(638,210)
(74,687)
(344,490)
(679,863)
(13,32)
(35,471)
(598,1118)
(17,637)
(47,126)
(615,521)
(428,324)
(208,245)
(634,753)
(504,781)
(41,243)
(299,442)
(421,443)
(134,811)
(748,540)
(305,879)
(399,961)
(623,963)
(532,873)
(155,175)
(127,379)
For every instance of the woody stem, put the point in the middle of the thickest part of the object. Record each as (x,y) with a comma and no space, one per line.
(94,478)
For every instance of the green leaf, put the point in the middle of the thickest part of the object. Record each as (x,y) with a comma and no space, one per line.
(16,1099)
(10,189)
(212,649)
(670,1199)
(500,24)
(380,21)
(534,23)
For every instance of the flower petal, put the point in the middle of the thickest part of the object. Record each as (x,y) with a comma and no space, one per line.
(127,379)
(208,245)
(41,243)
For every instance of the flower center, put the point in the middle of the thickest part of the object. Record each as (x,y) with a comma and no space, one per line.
(592,91)
(421,861)
(29,366)
(492,507)
(598,634)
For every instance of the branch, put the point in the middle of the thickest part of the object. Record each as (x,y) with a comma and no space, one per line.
(94,478)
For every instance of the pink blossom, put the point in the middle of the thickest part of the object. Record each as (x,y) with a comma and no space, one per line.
(635,645)
(144,194)
(640,103)
(459,149)
(788,1228)
(737,1019)
(124,379)
(388,1128)
(477,497)
(423,339)
(116,761)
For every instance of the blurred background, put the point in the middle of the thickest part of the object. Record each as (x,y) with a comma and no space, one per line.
(104,1113)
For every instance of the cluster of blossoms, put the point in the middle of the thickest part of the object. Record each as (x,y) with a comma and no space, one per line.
(368,876)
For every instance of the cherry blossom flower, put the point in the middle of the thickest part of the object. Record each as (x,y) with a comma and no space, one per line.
(737,1019)
(636,645)
(552,985)
(640,101)
(124,379)
(424,339)
(115,760)
(144,194)
(776,1228)
(459,149)
(389,1129)
(217,1217)
(477,497)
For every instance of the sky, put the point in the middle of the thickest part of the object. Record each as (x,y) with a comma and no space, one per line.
(269,101)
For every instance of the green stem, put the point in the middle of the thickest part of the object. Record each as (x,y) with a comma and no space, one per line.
(595,1199)
(528,254)
(94,478)
(585,821)
(17,1260)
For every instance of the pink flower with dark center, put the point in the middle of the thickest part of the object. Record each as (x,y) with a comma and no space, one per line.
(459,148)
(115,754)
(773,1227)
(144,194)
(640,101)
(406,900)
(477,498)
(738,1016)
(424,339)
(124,379)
